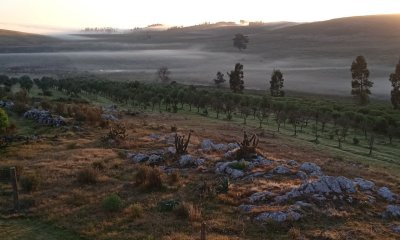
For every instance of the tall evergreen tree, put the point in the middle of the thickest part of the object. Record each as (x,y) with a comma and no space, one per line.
(276,84)
(395,93)
(360,83)
(236,79)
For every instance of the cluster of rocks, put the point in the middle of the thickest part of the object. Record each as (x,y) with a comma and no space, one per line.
(236,169)
(152,158)
(207,146)
(317,187)
(6,104)
(44,117)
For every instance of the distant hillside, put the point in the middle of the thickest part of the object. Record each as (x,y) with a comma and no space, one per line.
(10,40)
(383,25)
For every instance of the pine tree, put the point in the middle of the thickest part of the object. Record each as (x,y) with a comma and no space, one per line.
(360,83)
(395,93)
(240,41)
(276,84)
(236,79)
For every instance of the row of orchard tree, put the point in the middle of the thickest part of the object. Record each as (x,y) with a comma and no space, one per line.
(361,84)
(322,119)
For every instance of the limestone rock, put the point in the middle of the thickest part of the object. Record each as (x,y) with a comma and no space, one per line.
(385,193)
(281,170)
(259,196)
(140,157)
(392,211)
(186,160)
(310,168)
(364,185)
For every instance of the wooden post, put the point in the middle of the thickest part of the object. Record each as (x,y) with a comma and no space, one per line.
(203,231)
(14,182)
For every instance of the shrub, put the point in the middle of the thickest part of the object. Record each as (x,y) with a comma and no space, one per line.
(223,185)
(241,165)
(154,179)
(5,174)
(3,121)
(112,203)
(174,177)
(141,175)
(356,141)
(99,165)
(30,183)
(88,176)
(134,210)
(189,211)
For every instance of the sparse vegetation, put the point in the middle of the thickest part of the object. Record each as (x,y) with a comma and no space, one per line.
(30,182)
(87,176)
(112,203)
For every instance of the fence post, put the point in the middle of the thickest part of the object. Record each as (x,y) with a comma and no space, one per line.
(203,231)
(14,182)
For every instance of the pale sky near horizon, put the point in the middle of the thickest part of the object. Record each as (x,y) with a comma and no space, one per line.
(77,14)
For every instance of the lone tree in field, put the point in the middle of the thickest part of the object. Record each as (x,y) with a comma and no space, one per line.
(240,41)
(395,93)
(219,80)
(3,121)
(276,84)
(236,79)
(163,74)
(360,83)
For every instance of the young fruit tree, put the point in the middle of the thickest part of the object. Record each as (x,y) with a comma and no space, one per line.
(360,84)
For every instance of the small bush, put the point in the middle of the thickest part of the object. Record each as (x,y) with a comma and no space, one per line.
(223,185)
(189,211)
(71,146)
(154,179)
(98,165)
(174,177)
(356,141)
(174,128)
(30,183)
(88,176)
(141,175)
(241,165)
(112,203)
(134,210)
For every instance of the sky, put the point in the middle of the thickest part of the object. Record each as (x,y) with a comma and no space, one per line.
(54,15)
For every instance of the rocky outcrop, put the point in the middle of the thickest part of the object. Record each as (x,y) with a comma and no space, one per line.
(392,211)
(278,216)
(385,193)
(280,170)
(325,185)
(44,117)
(6,104)
(364,185)
(207,145)
(311,169)
(259,196)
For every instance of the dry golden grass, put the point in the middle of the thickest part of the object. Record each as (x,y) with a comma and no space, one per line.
(78,207)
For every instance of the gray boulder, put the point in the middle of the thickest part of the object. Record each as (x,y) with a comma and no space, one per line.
(392,211)
(278,216)
(310,168)
(364,185)
(140,157)
(259,196)
(281,170)
(186,160)
(302,175)
(292,163)
(155,159)
(385,193)
(245,208)
(396,229)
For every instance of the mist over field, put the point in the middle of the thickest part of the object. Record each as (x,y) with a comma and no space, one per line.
(315,58)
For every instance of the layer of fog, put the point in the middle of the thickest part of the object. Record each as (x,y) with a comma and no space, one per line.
(193,65)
